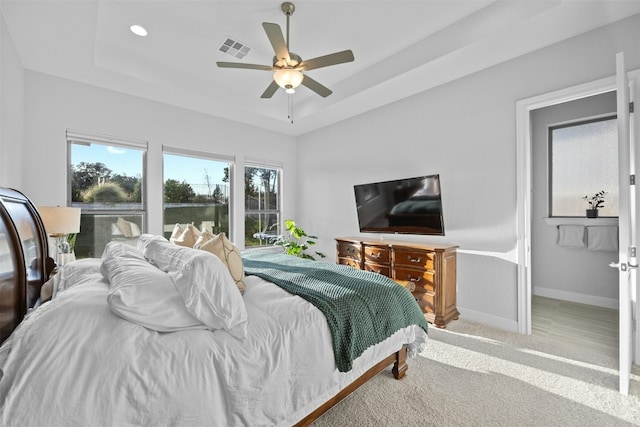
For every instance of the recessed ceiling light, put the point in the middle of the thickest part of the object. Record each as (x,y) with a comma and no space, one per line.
(138,30)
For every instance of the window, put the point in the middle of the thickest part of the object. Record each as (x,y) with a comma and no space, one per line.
(106,180)
(262,204)
(196,190)
(583,160)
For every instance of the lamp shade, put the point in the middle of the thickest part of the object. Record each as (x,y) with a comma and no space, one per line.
(60,220)
(288,79)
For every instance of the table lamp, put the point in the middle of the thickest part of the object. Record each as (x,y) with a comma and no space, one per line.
(58,222)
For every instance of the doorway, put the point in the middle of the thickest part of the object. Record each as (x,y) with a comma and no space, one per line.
(574,293)
(524,110)
(626,84)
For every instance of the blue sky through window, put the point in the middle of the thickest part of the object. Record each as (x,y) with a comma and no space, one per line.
(128,162)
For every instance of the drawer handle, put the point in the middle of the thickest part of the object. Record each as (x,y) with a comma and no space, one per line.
(377,271)
(350,250)
(414,279)
(414,260)
(376,255)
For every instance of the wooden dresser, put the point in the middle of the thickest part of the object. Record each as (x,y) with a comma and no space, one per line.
(430,267)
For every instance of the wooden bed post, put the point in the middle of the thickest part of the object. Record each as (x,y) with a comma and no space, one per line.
(400,366)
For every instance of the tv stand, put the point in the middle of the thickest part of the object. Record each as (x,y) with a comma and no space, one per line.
(430,267)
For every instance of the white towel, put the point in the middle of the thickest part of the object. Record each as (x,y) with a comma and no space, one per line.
(602,238)
(571,236)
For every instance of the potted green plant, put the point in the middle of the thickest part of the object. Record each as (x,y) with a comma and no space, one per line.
(595,202)
(297,241)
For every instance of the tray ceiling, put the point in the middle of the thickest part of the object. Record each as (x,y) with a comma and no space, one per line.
(400,47)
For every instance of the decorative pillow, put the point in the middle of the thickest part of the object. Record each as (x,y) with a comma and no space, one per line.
(115,230)
(205,284)
(145,295)
(204,237)
(135,229)
(124,226)
(177,231)
(229,254)
(187,238)
(114,249)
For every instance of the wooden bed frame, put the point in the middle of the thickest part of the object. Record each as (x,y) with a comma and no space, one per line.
(399,360)
(24,258)
(25,266)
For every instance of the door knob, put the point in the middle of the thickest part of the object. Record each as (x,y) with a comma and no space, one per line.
(622,266)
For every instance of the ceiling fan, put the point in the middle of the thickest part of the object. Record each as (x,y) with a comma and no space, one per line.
(287,66)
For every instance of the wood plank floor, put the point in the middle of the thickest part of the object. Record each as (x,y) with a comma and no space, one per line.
(590,327)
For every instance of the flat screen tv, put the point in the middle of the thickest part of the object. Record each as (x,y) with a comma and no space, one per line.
(408,206)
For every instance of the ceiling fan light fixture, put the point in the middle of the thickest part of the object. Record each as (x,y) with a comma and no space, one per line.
(288,79)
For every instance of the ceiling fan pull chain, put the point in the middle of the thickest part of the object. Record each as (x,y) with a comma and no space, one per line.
(290,116)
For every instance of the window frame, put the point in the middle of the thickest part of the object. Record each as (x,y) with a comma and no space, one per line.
(87,138)
(550,130)
(265,164)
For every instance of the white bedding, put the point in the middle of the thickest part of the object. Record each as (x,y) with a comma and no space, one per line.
(72,362)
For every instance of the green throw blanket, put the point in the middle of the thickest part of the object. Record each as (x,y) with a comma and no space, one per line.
(361,307)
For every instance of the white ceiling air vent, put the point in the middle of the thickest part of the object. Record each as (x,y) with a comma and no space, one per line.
(235,48)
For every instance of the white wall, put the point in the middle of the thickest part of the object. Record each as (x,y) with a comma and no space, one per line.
(578,275)
(11,111)
(465,131)
(53,105)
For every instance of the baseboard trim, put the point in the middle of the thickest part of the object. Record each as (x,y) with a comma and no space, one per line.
(578,298)
(489,319)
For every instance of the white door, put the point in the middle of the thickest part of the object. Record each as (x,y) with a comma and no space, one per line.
(627,259)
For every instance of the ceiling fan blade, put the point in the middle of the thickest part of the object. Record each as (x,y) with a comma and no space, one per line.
(326,60)
(274,33)
(316,87)
(247,66)
(271,89)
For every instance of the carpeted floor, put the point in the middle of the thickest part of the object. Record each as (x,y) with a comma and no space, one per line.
(475,375)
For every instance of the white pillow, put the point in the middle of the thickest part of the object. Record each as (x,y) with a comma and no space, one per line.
(75,273)
(144,240)
(114,249)
(145,295)
(205,284)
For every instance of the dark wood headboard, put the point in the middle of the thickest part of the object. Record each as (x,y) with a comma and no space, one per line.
(24,258)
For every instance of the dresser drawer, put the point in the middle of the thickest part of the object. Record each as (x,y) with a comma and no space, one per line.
(426,270)
(377,255)
(422,279)
(426,300)
(414,258)
(355,263)
(377,268)
(348,250)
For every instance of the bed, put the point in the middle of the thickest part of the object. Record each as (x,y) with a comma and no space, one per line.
(280,351)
